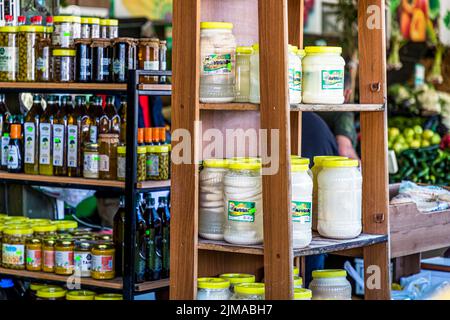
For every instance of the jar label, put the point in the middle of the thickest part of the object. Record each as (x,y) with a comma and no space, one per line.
(295,79)
(85,67)
(64,259)
(104,163)
(217,64)
(58,145)
(301,212)
(93,134)
(105,66)
(44,143)
(72,146)
(119,66)
(91,161)
(152,165)
(13,254)
(42,64)
(5,147)
(13,157)
(151,65)
(49,258)
(83,261)
(30,142)
(332,79)
(102,263)
(8,56)
(34,258)
(121,167)
(241,211)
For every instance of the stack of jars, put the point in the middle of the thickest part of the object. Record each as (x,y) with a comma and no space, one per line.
(40,291)
(56,247)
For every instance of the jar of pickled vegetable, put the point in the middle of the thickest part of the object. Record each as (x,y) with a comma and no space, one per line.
(51,293)
(34,254)
(91,161)
(83,62)
(108,155)
(44,230)
(64,65)
(121,162)
(124,51)
(141,163)
(83,258)
(48,255)
(108,296)
(80,295)
(2,227)
(63,33)
(28,38)
(103,262)
(148,58)
(158,162)
(109,28)
(64,264)
(66,226)
(8,56)
(101,60)
(13,246)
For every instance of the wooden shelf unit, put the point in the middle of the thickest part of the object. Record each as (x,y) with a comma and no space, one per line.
(61,86)
(274,24)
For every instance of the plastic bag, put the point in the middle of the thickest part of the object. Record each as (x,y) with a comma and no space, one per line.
(72,197)
(427,198)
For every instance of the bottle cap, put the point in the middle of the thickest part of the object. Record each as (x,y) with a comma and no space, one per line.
(156,137)
(148,135)
(16,131)
(140,137)
(162,134)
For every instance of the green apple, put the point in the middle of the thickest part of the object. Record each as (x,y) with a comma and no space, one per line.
(409,140)
(393,132)
(425,143)
(436,139)
(398,147)
(408,132)
(418,130)
(400,139)
(427,134)
(415,144)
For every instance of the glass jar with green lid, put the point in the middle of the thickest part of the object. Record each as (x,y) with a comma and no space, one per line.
(44,230)
(108,296)
(141,163)
(64,263)
(158,162)
(13,246)
(121,162)
(34,254)
(51,293)
(237,278)
(302,294)
(80,295)
(213,289)
(249,291)
(63,65)
(66,226)
(330,285)
(8,58)
(298,282)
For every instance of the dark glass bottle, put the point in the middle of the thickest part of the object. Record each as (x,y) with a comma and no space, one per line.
(31,136)
(59,138)
(123,120)
(86,122)
(96,113)
(118,236)
(15,163)
(113,116)
(141,251)
(46,137)
(163,212)
(154,261)
(74,138)
(5,116)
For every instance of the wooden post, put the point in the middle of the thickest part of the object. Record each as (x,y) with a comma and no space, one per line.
(278,253)
(372,83)
(185,114)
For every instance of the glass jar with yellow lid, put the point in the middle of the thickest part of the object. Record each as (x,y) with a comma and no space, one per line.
(44,230)
(63,65)
(158,162)
(48,254)
(33,289)
(296,271)
(302,161)
(34,254)
(35,222)
(121,162)
(249,291)
(64,250)
(237,278)
(108,296)
(141,163)
(83,258)
(103,261)
(66,226)
(51,293)
(8,58)
(80,295)
(213,289)
(302,294)
(2,227)
(330,284)
(13,246)
(104,237)
(109,28)
(298,282)
(17,219)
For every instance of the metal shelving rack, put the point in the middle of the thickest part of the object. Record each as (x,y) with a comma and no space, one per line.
(131,187)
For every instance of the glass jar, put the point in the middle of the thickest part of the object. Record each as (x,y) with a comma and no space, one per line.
(295,74)
(213,289)
(316,169)
(124,57)
(43,60)
(82,258)
(298,282)
(237,278)
(217,74)
(51,293)
(249,291)
(101,60)
(76,27)
(48,255)
(323,72)
(90,28)
(141,163)
(64,264)
(39,222)
(33,289)
(109,28)
(91,161)
(302,161)
(13,246)
(63,32)
(255,92)
(64,65)
(121,163)
(163,59)
(34,254)
(148,58)
(243,200)
(340,199)
(302,294)
(109,296)
(27,54)
(301,204)
(330,285)
(243,55)
(211,217)
(66,226)
(44,230)
(8,56)
(80,295)
(103,262)
(102,237)
(108,155)
(83,63)
(158,162)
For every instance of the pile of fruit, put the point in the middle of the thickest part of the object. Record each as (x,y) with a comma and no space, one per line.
(415,137)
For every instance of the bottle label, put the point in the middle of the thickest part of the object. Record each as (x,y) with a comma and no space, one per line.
(5,147)
(44,143)
(13,158)
(93,134)
(295,80)
(13,254)
(58,145)
(64,259)
(332,79)
(85,70)
(34,258)
(217,64)
(30,142)
(151,65)
(152,165)
(121,167)
(105,66)
(102,263)
(241,211)
(163,65)
(72,146)
(119,66)
(8,56)
(42,64)
(49,259)
(301,212)
(91,161)
(83,261)
(104,163)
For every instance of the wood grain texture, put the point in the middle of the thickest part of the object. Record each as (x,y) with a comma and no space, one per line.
(278,254)
(185,112)
(406,266)
(297,107)
(64,86)
(372,86)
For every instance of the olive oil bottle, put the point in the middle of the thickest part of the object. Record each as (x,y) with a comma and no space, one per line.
(113,116)
(5,116)
(74,127)
(104,123)
(15,163)
(141,246)
(31,136)
(86,122)
(153,237)
(123,120)
(59,138)
(96,113)
(119,236)
(46,137)
(163,212)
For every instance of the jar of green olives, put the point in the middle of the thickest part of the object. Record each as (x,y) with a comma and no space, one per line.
(28,38)
(8,53)
(141,163)
(157,162)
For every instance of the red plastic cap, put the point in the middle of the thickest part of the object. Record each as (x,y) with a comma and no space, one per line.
(22,19)
(36,19)
(9,18)
(49,19)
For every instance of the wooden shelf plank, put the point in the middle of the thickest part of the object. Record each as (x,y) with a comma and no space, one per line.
(318,245)
(49,86)
(152,285)
(296,107)
(155,87)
